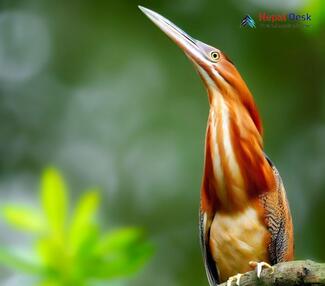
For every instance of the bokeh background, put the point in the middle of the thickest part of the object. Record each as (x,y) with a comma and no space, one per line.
(96,90)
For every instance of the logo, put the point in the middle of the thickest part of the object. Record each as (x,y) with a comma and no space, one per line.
(248,21)
(264,17)
(283,20)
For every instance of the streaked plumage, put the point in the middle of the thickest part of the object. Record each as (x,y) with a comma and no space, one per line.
(244,213)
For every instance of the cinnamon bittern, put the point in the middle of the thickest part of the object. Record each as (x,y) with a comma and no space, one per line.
(245,219)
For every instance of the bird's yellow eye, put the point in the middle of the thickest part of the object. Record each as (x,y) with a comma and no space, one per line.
(214,56)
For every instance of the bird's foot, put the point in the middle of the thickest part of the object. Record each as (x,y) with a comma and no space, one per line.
(237,277)
(259,266)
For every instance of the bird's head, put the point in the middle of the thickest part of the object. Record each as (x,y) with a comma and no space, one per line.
(218,73)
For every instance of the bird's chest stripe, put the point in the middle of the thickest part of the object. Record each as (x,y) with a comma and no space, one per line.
(237,239)
(225,166)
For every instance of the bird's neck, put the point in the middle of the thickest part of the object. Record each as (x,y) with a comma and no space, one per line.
(236,169)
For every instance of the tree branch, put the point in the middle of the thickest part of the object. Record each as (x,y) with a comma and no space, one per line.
(293,273)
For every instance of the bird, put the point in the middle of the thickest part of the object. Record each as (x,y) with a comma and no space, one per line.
(244,217)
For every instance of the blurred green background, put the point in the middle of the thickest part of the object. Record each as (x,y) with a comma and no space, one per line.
(96,90)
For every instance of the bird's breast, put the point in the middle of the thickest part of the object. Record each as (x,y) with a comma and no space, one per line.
(236,239)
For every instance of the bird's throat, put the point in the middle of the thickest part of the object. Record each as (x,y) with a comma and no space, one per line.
(226,170)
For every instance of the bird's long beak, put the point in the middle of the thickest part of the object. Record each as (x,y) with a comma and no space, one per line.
(189,45)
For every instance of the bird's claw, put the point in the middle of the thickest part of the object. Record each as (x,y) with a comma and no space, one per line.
(237,277)
(259,266)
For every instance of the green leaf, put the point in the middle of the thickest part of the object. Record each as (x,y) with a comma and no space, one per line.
(82,224)
(121,253)
(119,239)
(20,260)
(85,249)
(54,199)
(23,218)
(84,255)
(74,257)
(52,252)
(122,263)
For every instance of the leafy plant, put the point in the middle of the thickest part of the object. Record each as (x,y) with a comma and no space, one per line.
(71,249)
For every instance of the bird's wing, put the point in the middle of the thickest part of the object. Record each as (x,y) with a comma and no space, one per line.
(209,263)
(279,222)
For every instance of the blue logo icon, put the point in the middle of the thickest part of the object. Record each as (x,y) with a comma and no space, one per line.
(248,21)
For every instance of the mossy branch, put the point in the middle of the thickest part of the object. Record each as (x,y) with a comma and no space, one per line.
(303,272)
